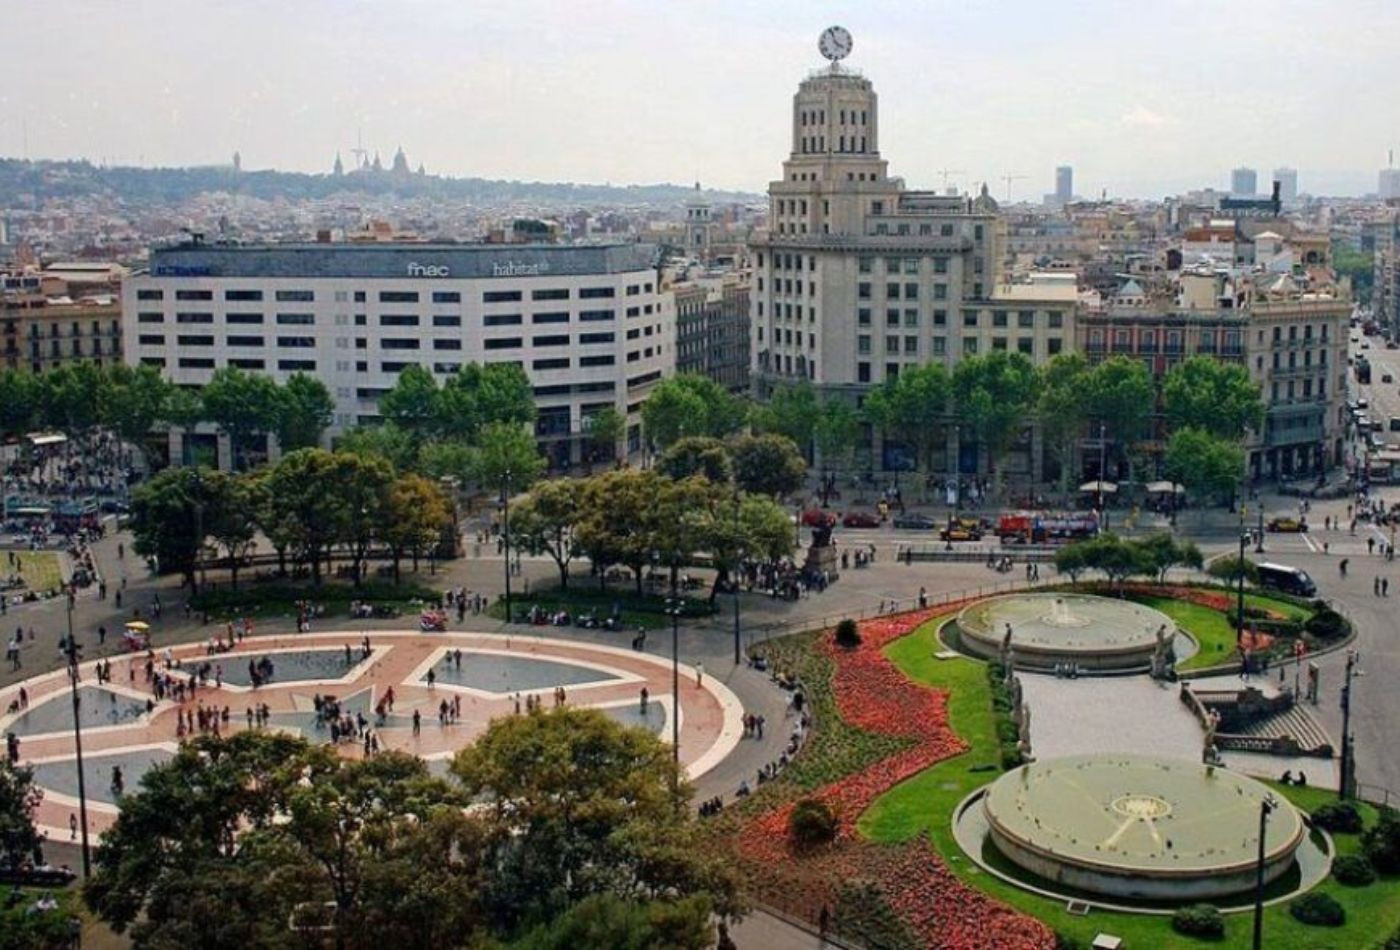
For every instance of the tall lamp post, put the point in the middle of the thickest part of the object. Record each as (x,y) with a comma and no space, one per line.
(673,610)
(505,533)
(197,481)
(1347,787)
(1266,807)
(735,578)
(74,654)
(1239,603)
(1103,469)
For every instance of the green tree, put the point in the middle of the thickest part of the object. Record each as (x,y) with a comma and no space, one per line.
(606,920)
(1120,394)
(21,399)
(231,516)
(303,506)
(791,411)
(362,483)
(577,805)
(697,455)
(168,518)
(611,530)
(1062,408)
(993,395)
(413,403)
(911,408)
(837,428)
(386,440)
(605,428)
(477,396)
(415,513)
(545,521)
(241,405)
(1356,266)
(1163,552)
(18,800)
(1206,464)
(767,465)
(736,527)
(506,450)
(72,397)
(690,404)
(304,411)
(133,400)
(1216,397)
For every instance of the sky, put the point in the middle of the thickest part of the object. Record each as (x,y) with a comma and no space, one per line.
(1142,97)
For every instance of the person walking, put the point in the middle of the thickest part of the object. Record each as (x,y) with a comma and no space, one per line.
(699,673)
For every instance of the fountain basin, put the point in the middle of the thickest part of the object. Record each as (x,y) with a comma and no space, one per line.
(1094,633)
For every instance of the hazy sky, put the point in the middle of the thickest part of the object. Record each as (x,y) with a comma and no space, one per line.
(1142,97)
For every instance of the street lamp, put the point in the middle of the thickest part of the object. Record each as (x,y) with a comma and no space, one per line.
(505,533)
(73,650)
(734,578)
(1239,604)
(1266,806)
(673,610)
(1103,468)
(1259,535)
(197,481)
(1347,787)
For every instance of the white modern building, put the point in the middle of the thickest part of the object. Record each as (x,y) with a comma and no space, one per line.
(1244,182)
(588,323)
(1287,179)
(1064,184)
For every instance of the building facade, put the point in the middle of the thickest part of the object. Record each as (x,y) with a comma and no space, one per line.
(588,324)
(1244,182)
(712,328)
(43,326)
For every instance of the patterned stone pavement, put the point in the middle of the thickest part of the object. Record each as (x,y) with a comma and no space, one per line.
(126,727)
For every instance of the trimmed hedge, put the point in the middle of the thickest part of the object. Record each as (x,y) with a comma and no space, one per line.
(1327,624)
(1338,816)
(1318,910)
(1199,920)
(1381,842)
(847,634)
(1353,870)
(813,823)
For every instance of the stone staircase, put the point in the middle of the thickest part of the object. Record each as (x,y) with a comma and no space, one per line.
(1290,732)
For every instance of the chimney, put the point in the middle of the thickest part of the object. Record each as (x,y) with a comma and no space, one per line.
(1275,200)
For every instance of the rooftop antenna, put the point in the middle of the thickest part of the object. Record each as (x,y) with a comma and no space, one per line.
(947,172)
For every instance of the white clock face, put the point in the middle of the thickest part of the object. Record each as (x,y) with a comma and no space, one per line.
(835,43)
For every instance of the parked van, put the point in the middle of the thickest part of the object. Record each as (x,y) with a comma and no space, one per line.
(1290,580)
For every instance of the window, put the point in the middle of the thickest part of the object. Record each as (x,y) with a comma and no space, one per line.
(892,317)
(946,230)
(397,296)
(194,340)
(597,293)
(969,318)
(245,341)
(502,320)
(863,344)
(194,295)
(911,291)
(447,369)
(555,317)
(398,343)
(1054,345)
(969,345)
(998,318)
(243,295)
(911,345)
(446,320)
(911,318)
(891,344)
(940,291)
(297,366)
(561,339)
(196,362)
(447,344)
(940,346)
(149,317)
(892,291)
(863,316)
(194,318)
(940,318)
(500,296)
(361,320)
(634,311)
(587,338)
(1057,319)
(862,372)
(589,316)
(296,319)
(1025,344)
(388,319)
(243,318)
(940,265)
(306,296)
(159,361)
(446,296)
(150,295)
(151,339)
(556,294)
(296,342)
(999,343)
(504,343)
(606,360)
(559,362)
(247,363)
(1025,318)
(359,296)
(865,265)
(863,290)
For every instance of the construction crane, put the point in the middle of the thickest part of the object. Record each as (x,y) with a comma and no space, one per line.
(947,172)
(1009,179)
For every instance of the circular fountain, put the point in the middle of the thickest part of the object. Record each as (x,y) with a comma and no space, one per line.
(1042,631)
(1138,828)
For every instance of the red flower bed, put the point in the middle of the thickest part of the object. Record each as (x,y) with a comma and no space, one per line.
(1213,599)
(873,695)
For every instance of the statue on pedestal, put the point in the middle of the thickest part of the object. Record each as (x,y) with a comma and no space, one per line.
(1210,755)
(1163,654)
(1023,743)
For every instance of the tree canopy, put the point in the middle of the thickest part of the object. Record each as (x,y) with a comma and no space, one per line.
(1213,396)
(1204,463)
(690,404)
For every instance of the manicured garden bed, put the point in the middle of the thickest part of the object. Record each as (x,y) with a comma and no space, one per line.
(637,610)
(921,809)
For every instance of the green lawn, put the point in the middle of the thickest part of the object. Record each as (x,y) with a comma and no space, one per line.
(1211,629)
(39,569)
(924,804)
(646,610)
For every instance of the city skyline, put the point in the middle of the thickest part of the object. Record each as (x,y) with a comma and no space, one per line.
(665,98)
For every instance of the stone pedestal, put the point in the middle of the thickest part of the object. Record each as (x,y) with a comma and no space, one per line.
(823,558)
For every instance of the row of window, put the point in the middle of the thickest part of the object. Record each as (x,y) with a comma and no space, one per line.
(397,296)
(388,343)
(394,319)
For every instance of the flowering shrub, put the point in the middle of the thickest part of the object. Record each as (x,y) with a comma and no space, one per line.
(869,693)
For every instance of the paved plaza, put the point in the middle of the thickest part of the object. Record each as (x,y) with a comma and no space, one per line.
(488,675)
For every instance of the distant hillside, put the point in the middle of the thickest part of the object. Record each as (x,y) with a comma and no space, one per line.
(25,181)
